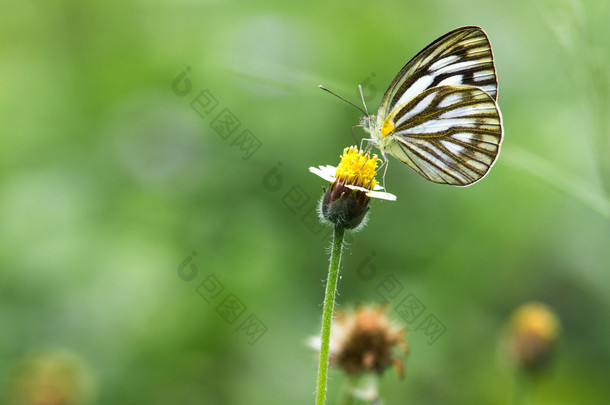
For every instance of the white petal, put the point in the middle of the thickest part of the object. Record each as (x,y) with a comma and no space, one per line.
(382,195)
(326,172)
(352,187)
(374,194)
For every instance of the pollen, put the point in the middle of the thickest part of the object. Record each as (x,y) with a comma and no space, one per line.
(357,168)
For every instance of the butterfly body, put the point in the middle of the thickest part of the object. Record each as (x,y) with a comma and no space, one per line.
(439,115)
(379,132)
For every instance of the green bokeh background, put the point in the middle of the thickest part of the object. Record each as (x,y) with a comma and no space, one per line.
(109,180)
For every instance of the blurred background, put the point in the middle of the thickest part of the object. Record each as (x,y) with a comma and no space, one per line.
(158,237)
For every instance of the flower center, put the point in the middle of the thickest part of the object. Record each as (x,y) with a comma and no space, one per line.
(357,168)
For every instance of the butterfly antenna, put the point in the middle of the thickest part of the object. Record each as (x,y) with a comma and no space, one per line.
(338,96)
(362,97)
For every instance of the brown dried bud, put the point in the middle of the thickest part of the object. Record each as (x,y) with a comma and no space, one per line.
(366,340)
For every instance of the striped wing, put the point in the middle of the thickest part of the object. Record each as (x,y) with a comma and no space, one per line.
(448,134)
(462,56)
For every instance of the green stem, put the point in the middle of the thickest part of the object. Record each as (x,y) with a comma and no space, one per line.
(521,389)
(347,391)
(327,316)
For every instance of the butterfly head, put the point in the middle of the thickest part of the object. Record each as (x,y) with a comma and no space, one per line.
(369,123)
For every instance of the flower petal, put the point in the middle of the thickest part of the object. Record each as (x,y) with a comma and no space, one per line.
(326,172)
(382,195)
(352,187)
(374,194)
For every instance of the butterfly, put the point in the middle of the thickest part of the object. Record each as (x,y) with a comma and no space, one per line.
(439,115)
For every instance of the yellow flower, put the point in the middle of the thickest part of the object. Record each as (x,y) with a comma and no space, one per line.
(352,183)
(356,171)
(532,336)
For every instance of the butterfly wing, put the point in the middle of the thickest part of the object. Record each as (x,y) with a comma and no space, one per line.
(462,56)
(448,134)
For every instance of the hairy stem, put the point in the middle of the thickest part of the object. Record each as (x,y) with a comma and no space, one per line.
(327,316)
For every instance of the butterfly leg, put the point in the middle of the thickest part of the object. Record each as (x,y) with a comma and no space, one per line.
(364,164)
(354,135)
(368,144)
(385,164)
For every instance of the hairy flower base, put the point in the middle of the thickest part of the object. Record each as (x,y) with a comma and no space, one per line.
(344,207)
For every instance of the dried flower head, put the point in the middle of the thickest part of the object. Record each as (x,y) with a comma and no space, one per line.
(365,340)
(51,377)
(532,336)
(346,202)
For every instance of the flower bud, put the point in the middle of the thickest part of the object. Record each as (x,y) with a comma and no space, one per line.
(344,207)
(532,336)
